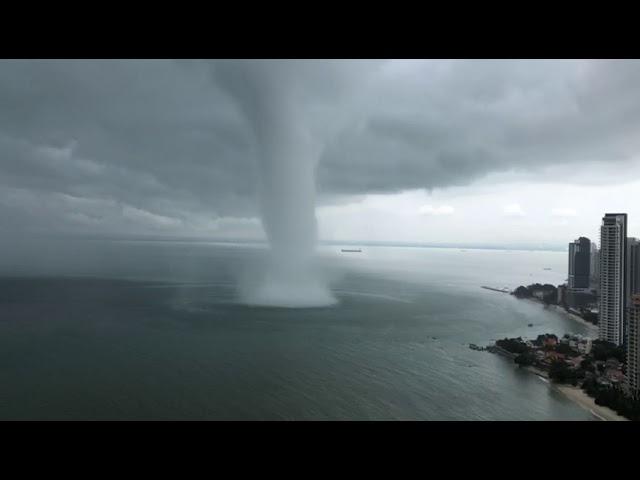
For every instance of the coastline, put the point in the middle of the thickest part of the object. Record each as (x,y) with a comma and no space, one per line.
(574,394)
(593,329)
(538,372)
(578,396)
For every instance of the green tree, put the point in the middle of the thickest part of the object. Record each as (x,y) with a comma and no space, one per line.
(587,365)
(522,292)
(525,359)
(602,350)
(560,372)
(565,349)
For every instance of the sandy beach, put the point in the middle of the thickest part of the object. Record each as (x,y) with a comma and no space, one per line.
(578,396)
(593,329)
(537,371)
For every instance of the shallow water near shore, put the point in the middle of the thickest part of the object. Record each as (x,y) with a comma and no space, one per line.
(155,330)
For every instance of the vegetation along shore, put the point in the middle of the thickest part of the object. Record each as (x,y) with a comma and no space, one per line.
(580,368)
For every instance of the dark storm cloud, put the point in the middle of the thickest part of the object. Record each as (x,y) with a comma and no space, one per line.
(155,135)
(101,146)
(448,123)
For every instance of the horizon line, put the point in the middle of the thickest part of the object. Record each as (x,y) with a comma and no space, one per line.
(390,243)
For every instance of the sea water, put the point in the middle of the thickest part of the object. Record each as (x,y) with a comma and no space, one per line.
(156,330)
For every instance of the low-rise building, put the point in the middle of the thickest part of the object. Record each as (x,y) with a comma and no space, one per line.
(577,342)
(580,297)
(584,346)
(552,356)
(574,361)
(614,375)
(613,364)
(603,381)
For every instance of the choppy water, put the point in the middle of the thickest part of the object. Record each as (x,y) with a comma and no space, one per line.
(154,331)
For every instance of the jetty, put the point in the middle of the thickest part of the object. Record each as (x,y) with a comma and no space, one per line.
(501,290)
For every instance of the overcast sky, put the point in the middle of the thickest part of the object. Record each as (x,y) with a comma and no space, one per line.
(487,152)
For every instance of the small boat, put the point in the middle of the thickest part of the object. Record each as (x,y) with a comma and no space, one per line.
(351,250)
(530,325)
(546,268)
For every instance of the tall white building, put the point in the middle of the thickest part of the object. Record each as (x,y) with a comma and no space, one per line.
(633,346)
(613,277)
(633,270)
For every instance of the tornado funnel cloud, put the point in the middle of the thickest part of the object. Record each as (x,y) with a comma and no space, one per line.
(287,160)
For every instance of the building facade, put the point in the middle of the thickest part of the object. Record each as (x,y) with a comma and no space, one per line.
(579,263)
(613,277)
(595,266)
(633,346)
(633,270)
(579,280)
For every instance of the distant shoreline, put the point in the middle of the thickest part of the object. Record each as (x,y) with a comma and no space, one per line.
(322,243)
(576,394)
(580,397)
(558,309)
(576,318)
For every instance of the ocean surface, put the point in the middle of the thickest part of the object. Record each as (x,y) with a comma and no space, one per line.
(114,330)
